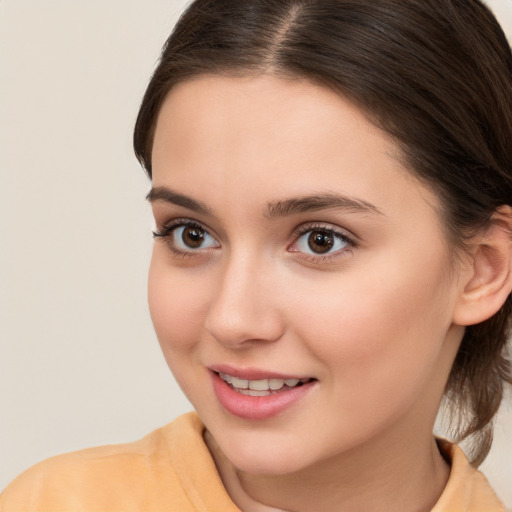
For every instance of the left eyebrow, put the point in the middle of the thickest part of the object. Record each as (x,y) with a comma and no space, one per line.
(313,203)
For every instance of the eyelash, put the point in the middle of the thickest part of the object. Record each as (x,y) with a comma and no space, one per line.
(338,234)
(165,233)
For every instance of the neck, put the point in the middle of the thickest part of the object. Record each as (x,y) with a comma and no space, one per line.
(411,478)
(399,473)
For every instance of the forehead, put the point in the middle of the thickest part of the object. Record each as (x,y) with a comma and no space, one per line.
(267,138)
(263,102)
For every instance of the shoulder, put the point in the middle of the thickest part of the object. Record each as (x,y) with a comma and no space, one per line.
(467,489)
(131,476)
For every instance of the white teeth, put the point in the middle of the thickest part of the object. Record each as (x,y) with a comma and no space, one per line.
(275,384)
(259,385)
(239,383)
(235,381)
(253,392)
(225,377)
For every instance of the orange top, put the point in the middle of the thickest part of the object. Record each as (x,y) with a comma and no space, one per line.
(172,469)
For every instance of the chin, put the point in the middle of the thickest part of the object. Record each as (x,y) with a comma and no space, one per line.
(271,465)
(266,455)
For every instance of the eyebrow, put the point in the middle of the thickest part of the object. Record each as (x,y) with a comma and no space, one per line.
(281,208)
(170,196)
(318,202)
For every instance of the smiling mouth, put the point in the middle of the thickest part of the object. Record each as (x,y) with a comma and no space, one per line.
(261,387)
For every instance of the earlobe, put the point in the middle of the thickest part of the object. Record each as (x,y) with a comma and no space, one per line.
(489,280)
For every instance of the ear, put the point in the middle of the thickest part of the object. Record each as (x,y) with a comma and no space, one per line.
(488,280)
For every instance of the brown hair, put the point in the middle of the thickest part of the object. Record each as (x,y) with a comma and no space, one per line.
(435,74)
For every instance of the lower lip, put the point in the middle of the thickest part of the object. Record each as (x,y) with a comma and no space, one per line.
(257,407)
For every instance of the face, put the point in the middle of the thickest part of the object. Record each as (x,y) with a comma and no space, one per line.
(300,285)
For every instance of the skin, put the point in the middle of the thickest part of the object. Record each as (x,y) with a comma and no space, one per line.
(372,322)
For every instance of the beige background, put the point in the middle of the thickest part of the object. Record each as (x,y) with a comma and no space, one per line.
(79,362)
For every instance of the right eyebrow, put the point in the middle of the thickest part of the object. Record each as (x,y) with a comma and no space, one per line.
(170,196)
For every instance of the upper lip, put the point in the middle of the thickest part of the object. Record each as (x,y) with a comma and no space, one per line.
(253,373)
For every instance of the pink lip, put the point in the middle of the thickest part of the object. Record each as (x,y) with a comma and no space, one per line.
(251,373)
(257,407)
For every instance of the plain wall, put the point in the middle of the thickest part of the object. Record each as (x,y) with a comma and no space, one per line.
(79,362)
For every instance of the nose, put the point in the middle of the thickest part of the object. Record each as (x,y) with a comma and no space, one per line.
(244,309)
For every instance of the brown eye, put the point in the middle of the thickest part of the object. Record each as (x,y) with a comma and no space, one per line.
(187,237)
(320,241)
(192,236)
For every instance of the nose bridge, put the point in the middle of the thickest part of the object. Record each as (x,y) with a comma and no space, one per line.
(243,309)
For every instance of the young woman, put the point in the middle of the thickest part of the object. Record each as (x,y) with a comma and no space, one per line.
(332,191)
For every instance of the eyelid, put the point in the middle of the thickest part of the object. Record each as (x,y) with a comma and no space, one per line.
(166,232)
(340,233)
(325,226)
(169,226)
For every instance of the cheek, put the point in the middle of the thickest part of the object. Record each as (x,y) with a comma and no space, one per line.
(175,306)
(385,328)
